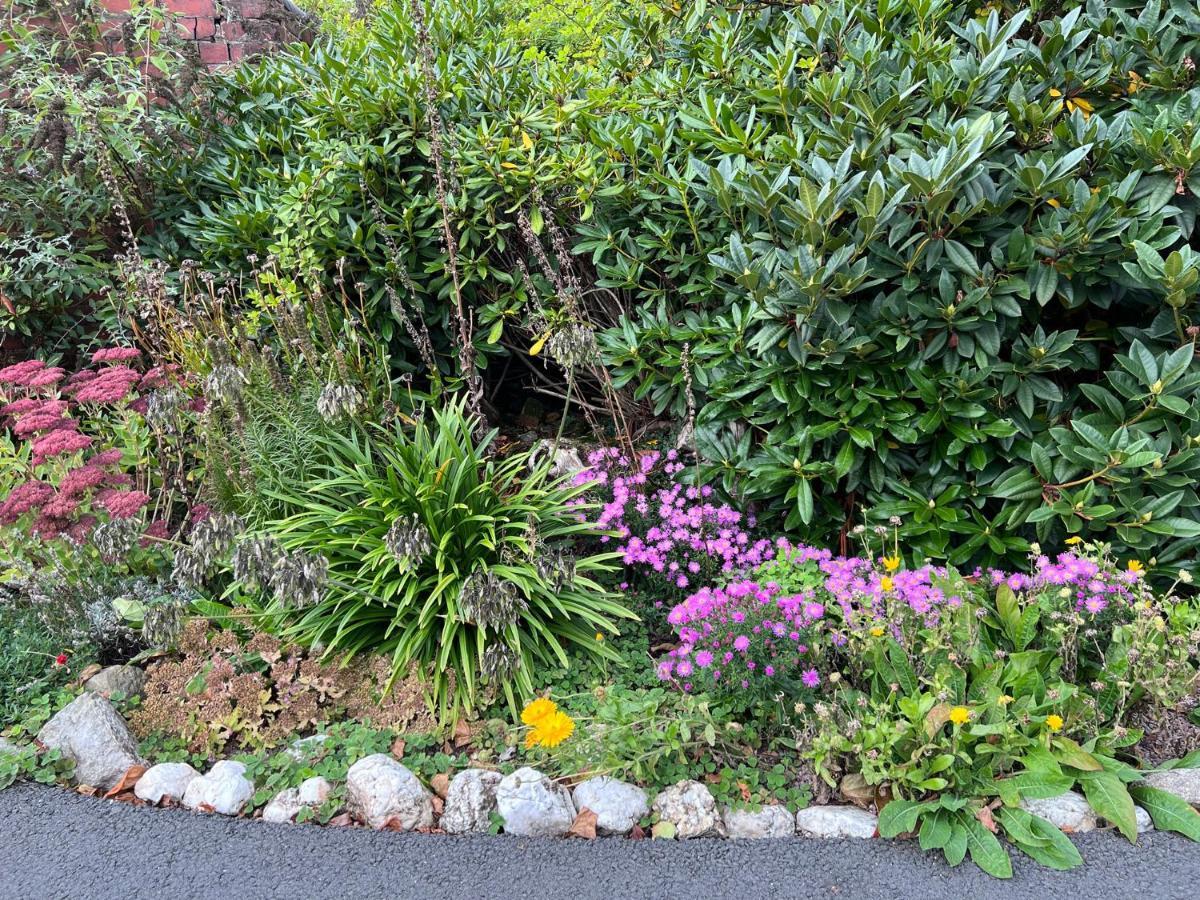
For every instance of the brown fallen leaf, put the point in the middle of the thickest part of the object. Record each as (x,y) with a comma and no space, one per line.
(584,825)
(398,746)
(438,804)
(341,821)
(986,819)
(744,790)
(462,733)
(87,790)
(127,781)
(89,672)
(638,833)
(440,783)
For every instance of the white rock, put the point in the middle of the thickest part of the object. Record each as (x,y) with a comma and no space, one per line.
(1144,822)
(380,790)
(618,805)
(1069,811)
(225,789)
(470,802)
(836,822)
(768,822)
(534,806)
(94,735)
(690,807)
(166,781)
(1183,783)
(304,749)
(315,791)
(566,461)
(283,807)
(128,681)
(8,748)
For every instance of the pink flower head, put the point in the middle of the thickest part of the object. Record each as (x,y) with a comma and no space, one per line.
(111,386)
(115,354)
(22,499)
(123,504)
(58,443)
(21,373)
(811,678)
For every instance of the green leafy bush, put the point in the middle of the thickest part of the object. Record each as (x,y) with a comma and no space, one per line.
(442,554)
(925,259)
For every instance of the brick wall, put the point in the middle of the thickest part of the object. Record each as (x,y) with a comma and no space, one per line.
(225,31)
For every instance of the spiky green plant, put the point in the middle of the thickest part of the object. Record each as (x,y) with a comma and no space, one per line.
(479,523)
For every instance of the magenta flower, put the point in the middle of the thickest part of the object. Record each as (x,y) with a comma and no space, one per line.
(810,678)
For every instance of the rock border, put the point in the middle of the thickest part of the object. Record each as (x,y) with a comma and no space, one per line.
(383,794)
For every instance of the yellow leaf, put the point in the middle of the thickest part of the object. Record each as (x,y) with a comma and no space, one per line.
(508,165)
(526,141)
(538,344)
(1054,203)
(1055,92)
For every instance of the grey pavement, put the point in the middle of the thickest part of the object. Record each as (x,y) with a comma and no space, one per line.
(57,844)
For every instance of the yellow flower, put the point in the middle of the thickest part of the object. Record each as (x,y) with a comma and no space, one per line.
(960,715)
(891,563)
(1054,203)
(531,739)
(599,635)
(553,730)
(1135,565)
(886,583)
(1072,541)
(538,711)
(1054,722)
(1004,700)
(877,631)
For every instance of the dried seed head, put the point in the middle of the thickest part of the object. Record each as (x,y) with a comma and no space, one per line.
(409,541)
(338,401)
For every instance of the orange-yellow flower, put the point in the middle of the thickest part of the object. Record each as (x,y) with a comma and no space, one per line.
(1054,722)
(886,583)
(960,715)
(891,563)
(538,711)
(1135,565)
(553,730)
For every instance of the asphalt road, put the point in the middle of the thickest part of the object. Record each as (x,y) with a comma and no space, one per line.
(55,844)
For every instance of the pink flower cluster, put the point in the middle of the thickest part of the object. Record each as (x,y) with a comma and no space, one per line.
(1092,588)
(746,639)
(673,534)
(43,410)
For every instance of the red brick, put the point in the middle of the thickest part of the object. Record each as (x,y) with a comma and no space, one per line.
(116,6)
(203,28)
(253,9)
(232,31)
(195,8)
(213,53)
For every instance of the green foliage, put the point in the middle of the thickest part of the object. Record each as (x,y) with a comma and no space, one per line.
(27,669)
(928,260)
(81,124)
(496,579)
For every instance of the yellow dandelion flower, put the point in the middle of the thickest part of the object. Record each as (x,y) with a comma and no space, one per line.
(891,563)
(1054,722)
(960,715)
(538,711)
(1004,700)
(532,738)
(1135,565)
(554,729)
(599,635)
(1073,540)
(886,583)
(877,631)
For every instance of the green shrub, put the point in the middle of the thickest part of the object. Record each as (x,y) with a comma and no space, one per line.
(926,260)
(440,553)
(80,121)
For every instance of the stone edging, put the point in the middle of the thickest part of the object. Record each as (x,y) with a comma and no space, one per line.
(382,793)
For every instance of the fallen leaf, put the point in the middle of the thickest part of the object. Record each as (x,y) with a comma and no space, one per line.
(89,672)
(584,825)
(440,784)
(744,791)
(855,789)
(462,733)
(393,824)
(664,831)
(341,821)
(87,790)
(637,833)
(438,804)
(398,746)
(985,819)
(127,781)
